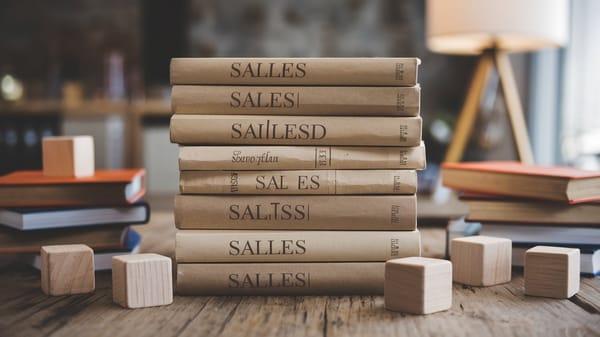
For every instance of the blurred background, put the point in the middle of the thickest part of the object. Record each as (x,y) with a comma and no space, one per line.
(102,68)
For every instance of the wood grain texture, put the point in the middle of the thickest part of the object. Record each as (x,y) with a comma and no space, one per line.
(418,285)
(142,280)
(67,269)
(501,310)
(552,271)
(481,260)
(71,156)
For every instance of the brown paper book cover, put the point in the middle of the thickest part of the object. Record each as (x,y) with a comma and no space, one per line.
(299,182)
(328,101)
(207,246)
(363,71)
(300,157)
(211,279)
(284,212)
(295,130)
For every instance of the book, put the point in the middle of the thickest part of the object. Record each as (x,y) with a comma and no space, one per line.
(507,178)
(106,187)
(316,212)
(102,259)
(495,209)
(589,259)
(340,278)
(298,182)
(363,71)
(300,157)
(34,218)
(99,237)
(280,100)
(543,235)
(202,246)
(295,130)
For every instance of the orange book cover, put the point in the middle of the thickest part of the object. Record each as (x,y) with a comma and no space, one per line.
(515,167)
(32,188)
(511,178)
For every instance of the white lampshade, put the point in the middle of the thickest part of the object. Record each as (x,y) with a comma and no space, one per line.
(471,26)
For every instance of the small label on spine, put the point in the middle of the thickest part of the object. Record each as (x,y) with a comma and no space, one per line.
(268,280)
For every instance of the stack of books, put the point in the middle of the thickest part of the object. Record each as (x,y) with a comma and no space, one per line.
(297,175)
(531,205)
(36,210)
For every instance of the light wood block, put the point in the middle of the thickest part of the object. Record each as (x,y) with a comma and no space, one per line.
(142,280)
(481,260)
(552,271)
(67,269)
(418,285)
(68,156)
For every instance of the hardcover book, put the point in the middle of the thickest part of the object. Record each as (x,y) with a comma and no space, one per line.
(300,157)
(310,212)
(33,218)
(329,101)
(201,246)
(295,130)
(298,182)
(565,184)
(106,187)
(234,279)
(366,71)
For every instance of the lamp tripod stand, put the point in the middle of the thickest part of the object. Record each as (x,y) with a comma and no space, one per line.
(468,115)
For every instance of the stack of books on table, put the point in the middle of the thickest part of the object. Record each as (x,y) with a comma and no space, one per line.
(297,175)
(36,210)
(532,205)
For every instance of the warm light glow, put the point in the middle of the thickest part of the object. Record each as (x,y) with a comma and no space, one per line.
(12,89)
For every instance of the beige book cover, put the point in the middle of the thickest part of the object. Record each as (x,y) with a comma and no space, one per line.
(327,101)
(360,71)
(317,212)
(212,279)
(295,130)
(299,182)
(202,246)
(300,157)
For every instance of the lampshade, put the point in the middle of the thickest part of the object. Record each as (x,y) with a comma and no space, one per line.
(470,26)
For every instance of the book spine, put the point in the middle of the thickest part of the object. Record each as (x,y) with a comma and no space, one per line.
(364,278)
(299,182)
(317,212)
(329,101)
(300,157)
(295,130)
(205,246)
(294,71)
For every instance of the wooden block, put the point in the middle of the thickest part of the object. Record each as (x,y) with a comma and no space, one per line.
(68,156)
(418,285)
(67,269)
(552,271)
(142,280)
(481,260)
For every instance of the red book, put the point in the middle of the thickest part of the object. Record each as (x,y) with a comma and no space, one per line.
(106,187)
(510,178)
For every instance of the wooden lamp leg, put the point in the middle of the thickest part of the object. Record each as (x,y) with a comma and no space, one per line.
(513,107)
(468,114)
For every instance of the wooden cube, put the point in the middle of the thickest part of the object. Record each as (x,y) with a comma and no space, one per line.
(68,156)
(552,271)
(418,285)
(481,260)
(67,269)
(142,280)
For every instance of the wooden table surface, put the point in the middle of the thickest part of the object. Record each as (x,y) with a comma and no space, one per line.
(494,311)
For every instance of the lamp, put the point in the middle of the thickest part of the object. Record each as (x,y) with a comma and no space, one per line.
(491,29)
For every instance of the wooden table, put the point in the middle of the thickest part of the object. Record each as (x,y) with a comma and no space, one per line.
(494,311)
